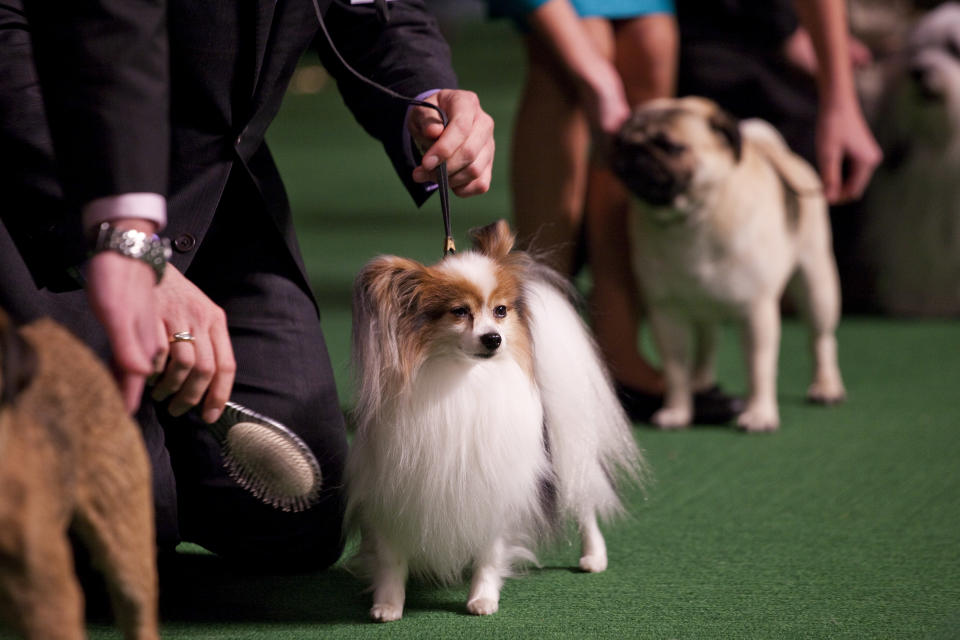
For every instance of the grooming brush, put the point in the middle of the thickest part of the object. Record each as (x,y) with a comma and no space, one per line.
(267,459)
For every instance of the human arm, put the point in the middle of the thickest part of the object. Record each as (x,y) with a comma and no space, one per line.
(597,82)
(842,136)
(120,291)
(103,70)
(409,56)
(96,115)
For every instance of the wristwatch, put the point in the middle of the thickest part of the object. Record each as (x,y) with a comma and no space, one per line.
(152,249)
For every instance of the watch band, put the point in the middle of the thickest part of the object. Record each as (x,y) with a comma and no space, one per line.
(152,249)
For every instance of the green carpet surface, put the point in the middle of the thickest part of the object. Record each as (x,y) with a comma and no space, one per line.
(844,524)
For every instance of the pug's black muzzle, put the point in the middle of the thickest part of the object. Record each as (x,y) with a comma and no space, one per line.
(647,176)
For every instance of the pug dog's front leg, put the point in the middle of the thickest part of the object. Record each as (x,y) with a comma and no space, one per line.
(704,365)
(762,346)
(389,582)
(821,284)
(672,336)
(488,572)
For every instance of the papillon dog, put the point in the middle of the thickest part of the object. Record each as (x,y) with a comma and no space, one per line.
(484,417)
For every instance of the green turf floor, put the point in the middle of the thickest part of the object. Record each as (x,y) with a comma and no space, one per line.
(845,523)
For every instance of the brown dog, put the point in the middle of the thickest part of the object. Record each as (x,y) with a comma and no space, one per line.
(70,459)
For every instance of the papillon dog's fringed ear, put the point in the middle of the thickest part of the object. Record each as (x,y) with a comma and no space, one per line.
(384,294)
(495,240)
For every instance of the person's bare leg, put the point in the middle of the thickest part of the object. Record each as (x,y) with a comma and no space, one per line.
(549,155)
(645,52)
(646,56)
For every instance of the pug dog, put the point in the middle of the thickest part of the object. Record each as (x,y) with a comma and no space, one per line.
(725,216)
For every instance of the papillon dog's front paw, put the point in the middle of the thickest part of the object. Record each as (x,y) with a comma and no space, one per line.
(483,606)
(672,418)
(593,563)
(385,612)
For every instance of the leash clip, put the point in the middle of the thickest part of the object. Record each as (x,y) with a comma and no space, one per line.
(449,248)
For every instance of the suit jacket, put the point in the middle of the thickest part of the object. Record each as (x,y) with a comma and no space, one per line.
(100,97)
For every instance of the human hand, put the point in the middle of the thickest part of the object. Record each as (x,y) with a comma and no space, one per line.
(605,103)
(202,367)
(603,99)
(465,144)
(845,144)
(121,293)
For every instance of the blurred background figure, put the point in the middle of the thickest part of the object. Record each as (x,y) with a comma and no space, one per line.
(790,62)
(898,248)
(755,59)
(759,59)
(589,62)
(908,238)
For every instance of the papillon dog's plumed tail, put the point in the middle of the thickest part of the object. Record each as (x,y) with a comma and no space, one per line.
(591,441)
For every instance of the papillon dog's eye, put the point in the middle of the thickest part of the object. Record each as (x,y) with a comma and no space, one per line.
(500,311)
(460,312)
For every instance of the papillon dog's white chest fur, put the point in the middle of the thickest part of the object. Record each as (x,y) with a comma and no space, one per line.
(455,464)
(483,414)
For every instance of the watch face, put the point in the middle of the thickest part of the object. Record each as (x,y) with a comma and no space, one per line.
(131,243)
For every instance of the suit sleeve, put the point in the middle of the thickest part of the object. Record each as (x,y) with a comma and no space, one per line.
(407,54)
(103,67)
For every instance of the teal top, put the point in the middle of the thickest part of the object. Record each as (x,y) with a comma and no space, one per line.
(613,9)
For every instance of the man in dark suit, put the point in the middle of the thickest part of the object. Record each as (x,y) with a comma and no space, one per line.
(118,116)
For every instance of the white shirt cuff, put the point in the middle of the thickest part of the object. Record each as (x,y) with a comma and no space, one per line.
(147,206)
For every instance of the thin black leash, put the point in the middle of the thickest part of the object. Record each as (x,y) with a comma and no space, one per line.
(449,248)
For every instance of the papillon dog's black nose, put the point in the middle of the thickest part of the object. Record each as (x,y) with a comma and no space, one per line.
(491,341)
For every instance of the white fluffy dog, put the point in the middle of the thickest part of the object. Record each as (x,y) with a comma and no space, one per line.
(484,414)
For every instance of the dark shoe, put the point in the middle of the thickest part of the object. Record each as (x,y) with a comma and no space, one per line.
(639,405)
(711,406)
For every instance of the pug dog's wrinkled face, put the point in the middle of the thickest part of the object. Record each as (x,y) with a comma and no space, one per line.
(672,149)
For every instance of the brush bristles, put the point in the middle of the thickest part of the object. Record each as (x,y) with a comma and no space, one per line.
(268,460)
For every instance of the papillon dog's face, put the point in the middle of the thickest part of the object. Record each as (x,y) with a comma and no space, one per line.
(468,306)
(471,306)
